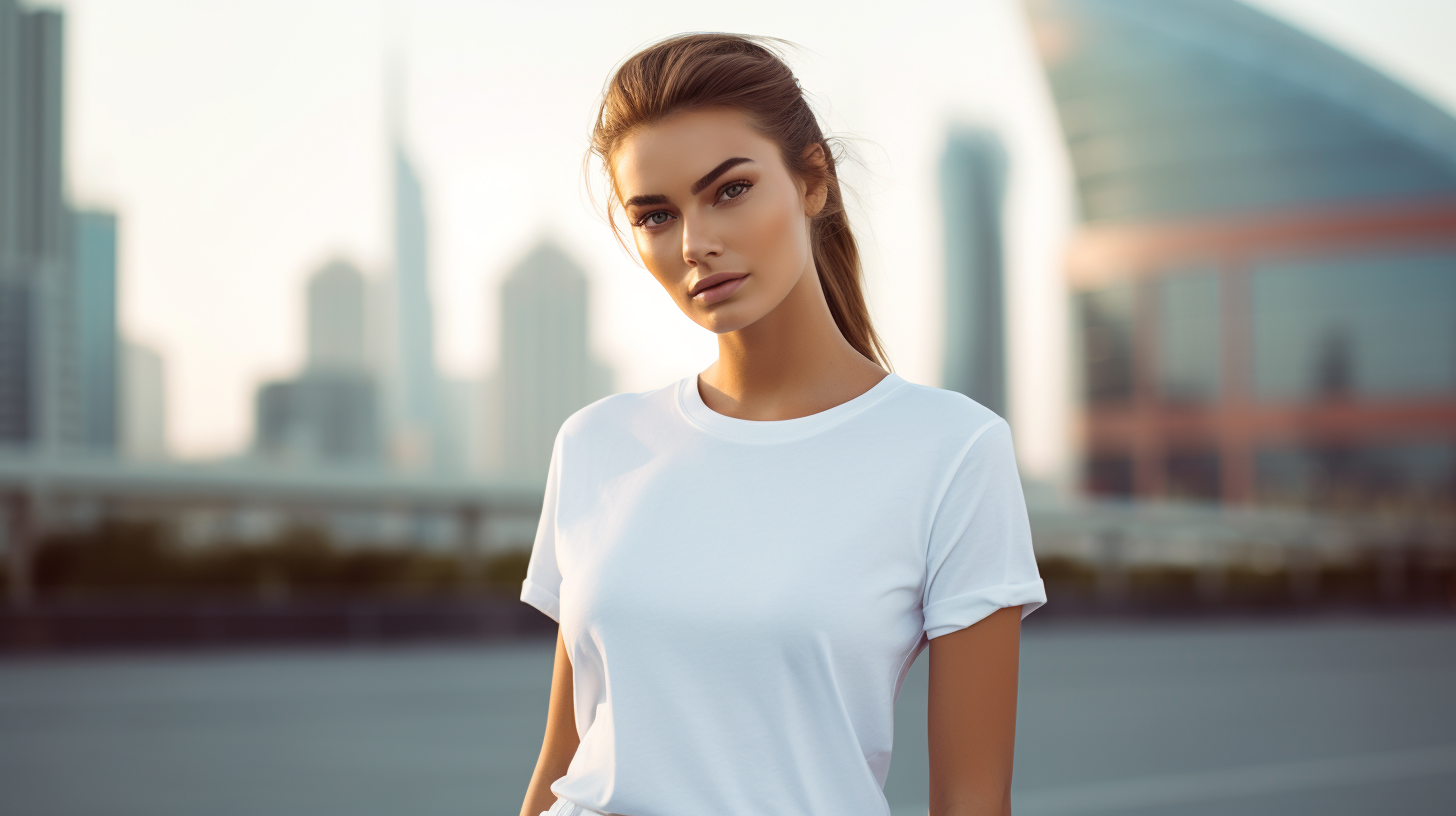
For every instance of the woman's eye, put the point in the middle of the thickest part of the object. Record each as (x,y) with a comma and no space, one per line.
(655,219)
(733,190)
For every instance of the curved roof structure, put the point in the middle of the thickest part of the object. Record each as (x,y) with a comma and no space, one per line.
(1207,107)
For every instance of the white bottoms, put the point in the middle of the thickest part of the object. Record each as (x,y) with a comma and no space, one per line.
(563,807)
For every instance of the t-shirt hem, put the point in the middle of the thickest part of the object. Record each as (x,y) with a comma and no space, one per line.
(958,612)
(541,598)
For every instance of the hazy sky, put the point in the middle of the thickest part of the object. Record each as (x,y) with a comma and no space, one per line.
(244,144)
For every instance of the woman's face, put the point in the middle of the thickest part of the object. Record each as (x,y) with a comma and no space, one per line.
(710,201)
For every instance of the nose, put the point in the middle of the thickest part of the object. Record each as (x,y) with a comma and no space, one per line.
(701,244)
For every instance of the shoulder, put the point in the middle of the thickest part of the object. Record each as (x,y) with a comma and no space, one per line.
(614,412)
(951,417)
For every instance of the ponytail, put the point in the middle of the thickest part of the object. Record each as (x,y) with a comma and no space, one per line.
(836,256)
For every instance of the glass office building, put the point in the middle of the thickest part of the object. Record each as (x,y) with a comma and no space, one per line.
(1264,279)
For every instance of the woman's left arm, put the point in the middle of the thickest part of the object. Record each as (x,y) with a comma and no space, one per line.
(972,716)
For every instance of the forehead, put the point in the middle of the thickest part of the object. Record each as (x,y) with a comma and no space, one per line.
(668,156)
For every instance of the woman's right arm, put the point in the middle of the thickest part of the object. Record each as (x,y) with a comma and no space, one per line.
(559,744)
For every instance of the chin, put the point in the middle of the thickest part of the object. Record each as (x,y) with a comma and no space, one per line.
(727,317)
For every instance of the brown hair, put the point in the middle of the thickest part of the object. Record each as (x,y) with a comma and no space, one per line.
(696,71)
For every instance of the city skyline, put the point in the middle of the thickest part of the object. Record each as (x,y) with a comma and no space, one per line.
(481,228)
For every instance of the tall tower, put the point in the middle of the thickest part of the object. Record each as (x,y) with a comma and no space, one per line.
(418,437)
(38,400)
(547,370)
(972,194)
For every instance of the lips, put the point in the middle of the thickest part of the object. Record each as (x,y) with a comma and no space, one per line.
(713,280)
(720,292)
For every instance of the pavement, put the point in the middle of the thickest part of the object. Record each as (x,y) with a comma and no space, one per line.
(1327,717)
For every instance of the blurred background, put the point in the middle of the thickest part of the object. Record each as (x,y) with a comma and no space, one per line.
(294,297)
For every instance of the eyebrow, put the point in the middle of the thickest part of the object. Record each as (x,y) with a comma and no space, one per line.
(658,198)
(646,200)
(715,173)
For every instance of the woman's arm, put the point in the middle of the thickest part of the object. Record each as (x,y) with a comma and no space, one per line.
(972,716)
(559,744)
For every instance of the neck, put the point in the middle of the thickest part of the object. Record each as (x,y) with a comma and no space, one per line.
(792,362)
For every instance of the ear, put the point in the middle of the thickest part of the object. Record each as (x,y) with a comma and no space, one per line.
(815,198)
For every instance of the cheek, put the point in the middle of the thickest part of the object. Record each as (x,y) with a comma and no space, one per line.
(658,256)
(775,233)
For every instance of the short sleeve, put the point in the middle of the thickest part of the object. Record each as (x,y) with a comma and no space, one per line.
(542,587)
(979,557)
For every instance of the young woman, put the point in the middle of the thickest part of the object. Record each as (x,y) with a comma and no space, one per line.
(745,563)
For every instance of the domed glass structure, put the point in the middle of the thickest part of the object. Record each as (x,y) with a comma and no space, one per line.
(1264,280)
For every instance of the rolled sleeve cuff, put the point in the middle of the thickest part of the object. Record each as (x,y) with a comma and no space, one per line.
(541,598)
(950,614)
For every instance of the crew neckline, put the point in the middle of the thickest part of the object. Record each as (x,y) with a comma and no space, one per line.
(695,411)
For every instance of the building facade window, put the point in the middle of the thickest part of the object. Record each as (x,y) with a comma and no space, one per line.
(1106,317)
(1109,475)
(1188,354)
(1365,326)
(1339,476)
(1192,474)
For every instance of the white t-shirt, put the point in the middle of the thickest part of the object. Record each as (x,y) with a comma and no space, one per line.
(741,600)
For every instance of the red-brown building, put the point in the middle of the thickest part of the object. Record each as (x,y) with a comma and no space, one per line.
(1264,282)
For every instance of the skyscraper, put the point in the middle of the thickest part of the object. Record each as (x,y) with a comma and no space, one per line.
(38,399)
(143,421)
(547,370)
(418,432)
(972,195)
(94,266)
(337,318)
(328,413)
